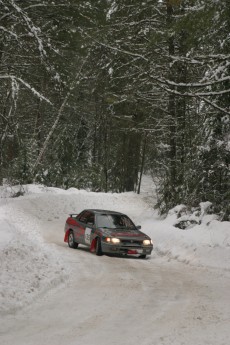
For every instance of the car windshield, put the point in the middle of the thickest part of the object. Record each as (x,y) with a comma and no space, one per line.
(114,221)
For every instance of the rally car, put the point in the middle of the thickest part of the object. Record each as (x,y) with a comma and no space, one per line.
(106,232)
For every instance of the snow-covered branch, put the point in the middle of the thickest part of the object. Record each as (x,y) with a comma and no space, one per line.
(27,85)
(192,85)
(32,28)
(195,94)
(9,32)
(123,51)
(214,105)
(199,59)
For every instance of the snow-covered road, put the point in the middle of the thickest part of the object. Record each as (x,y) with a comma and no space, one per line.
(125,301)
(53,295)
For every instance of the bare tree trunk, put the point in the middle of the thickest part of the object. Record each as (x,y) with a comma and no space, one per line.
(142,163)
(171,106)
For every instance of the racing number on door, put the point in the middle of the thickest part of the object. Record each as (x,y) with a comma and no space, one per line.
(87,235)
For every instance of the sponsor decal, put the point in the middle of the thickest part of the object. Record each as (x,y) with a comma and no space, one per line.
(87,235)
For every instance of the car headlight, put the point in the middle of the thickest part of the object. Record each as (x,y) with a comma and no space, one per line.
(147,242)
(113,240)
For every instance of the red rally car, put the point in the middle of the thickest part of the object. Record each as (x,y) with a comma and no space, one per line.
(106,232)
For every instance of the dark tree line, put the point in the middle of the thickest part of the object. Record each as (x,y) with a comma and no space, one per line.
(95,93)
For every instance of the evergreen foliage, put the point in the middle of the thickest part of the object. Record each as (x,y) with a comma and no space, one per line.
(94,93)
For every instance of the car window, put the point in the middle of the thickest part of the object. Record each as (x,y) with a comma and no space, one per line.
(90,219)
(83,216)
(114,221)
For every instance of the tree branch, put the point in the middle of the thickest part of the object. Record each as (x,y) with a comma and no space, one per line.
(35,92)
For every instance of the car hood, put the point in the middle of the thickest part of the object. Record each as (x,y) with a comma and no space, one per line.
(124,233)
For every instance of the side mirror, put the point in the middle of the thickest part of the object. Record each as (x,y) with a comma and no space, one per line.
(138,227)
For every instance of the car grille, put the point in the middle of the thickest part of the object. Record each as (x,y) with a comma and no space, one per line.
(131,243)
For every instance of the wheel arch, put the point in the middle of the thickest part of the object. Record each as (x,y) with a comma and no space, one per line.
(67,234)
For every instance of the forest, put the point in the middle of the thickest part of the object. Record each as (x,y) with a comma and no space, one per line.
(95,93)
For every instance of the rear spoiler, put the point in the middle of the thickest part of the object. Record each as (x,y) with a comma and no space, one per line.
(73,215)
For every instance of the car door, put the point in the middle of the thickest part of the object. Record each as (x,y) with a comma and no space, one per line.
(89,229)
(84,227)
(79,231)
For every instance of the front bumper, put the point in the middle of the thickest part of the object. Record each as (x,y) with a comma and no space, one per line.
(129,250)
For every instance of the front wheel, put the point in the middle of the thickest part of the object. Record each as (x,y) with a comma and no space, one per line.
(98,247)
(143,256)
(71,242)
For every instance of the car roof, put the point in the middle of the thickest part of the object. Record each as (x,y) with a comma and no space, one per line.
(99,211)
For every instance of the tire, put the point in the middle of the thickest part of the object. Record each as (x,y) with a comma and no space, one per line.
(143,256)
(71,242)
(98,247)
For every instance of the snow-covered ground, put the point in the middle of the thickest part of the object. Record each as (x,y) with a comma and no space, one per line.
(179,295)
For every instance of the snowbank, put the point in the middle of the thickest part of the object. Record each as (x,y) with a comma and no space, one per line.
(202,245)
(29,266)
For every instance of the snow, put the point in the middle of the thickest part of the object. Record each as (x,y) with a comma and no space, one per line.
(36,272)
(112,9)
